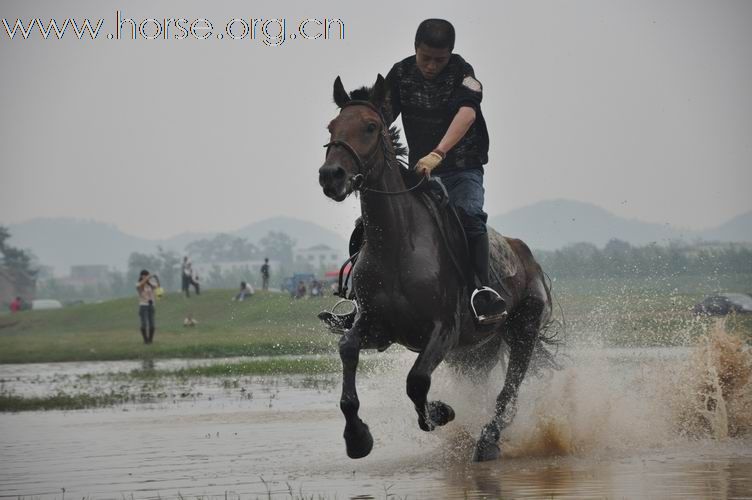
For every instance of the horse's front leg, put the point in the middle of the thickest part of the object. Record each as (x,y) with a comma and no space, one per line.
(358,438)
(431,414)
(522,335)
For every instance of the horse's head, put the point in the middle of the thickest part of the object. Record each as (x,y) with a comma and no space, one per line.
(358,133)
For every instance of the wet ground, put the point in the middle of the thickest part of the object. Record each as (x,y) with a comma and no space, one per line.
(613,424)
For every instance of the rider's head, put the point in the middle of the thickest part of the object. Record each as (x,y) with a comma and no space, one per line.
(434,42)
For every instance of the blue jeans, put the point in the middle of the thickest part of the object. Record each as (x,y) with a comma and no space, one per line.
(465,188)
(146,314)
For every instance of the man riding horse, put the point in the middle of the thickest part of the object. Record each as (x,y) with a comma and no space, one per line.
(439,99)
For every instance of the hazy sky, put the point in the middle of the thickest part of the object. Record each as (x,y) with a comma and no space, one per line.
(641,107)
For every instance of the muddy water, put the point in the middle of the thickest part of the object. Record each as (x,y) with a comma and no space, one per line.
(656,423)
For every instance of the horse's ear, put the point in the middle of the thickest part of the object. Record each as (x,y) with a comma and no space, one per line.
(340,94)
(378,94)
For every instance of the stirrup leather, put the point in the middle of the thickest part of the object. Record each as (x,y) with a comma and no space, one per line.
(485,319)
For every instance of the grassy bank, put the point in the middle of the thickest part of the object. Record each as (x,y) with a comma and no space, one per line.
(643,312)
(266,324)
(617,311)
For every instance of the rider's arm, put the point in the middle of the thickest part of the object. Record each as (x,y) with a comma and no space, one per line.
(465,103)
(461,123)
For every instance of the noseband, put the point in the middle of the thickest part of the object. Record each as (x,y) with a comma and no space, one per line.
(358,180)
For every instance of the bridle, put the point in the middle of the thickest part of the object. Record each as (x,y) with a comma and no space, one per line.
(359,179)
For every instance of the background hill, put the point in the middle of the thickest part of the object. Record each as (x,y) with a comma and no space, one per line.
(64,242)
(550,225)
(547,225)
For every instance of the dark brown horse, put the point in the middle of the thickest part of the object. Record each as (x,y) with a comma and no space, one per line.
(408,285)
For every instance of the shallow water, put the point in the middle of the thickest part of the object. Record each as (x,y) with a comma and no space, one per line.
(613,424)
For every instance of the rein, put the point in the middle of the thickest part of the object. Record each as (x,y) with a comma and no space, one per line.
(358,180)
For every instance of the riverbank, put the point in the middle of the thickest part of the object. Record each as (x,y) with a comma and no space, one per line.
(610,312)
(265,324)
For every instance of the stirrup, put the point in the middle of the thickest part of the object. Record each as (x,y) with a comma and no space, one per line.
(338,322)
(487,319)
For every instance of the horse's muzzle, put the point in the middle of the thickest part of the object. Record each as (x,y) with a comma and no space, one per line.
(333,178)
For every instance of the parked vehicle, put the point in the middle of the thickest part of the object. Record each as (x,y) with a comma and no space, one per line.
(290,284)
(724,303)
(40,304)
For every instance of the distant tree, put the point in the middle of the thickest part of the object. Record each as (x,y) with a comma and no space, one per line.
(222,248)
(121,285)
(14,259)
(215,278)
(169,268)
(138,261)
(279,245)
(617,254)
(165,264)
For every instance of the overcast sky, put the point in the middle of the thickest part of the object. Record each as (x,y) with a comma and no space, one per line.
(641,107)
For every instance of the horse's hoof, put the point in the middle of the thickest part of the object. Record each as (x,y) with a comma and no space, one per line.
(440,413)
(486,450)
(358,441)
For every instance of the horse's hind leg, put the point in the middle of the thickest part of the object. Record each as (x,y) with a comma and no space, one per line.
(358,440)
(430,414)
(522,335)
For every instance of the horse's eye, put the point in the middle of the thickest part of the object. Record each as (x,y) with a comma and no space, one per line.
(371,128)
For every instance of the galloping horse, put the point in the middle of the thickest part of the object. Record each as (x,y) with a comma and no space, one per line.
(408,285)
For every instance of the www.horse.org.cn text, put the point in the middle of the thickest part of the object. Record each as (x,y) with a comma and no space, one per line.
(270,32)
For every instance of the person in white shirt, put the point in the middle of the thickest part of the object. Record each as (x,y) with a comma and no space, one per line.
(147,284)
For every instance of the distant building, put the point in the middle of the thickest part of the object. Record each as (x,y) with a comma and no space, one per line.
(319,257)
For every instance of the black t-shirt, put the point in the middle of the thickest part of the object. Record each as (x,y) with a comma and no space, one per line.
(428,107)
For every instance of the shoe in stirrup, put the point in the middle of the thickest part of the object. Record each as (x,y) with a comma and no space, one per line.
(488,306)
(339,322)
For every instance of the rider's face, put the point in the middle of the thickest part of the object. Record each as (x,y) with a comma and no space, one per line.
(431,61)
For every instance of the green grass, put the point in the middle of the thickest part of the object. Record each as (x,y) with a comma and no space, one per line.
(268,366)
(617,311)
(13,403)
(266,324)
(634,312)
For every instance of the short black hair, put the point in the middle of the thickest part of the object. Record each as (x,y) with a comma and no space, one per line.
(436,33)
(143,272)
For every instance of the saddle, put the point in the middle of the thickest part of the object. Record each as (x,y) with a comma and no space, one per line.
(503,261)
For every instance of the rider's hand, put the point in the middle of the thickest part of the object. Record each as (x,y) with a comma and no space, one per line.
(429,162)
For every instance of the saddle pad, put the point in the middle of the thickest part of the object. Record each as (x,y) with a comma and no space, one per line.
(503,260)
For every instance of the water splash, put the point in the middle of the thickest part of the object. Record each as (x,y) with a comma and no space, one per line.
(714,396)
(609,401)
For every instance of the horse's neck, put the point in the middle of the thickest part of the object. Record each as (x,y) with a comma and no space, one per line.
(387,217)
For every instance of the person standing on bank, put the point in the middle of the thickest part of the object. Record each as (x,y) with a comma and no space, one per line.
(186,274)
(147,284)
(265,274)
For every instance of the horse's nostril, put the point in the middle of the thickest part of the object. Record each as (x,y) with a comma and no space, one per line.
(339,174)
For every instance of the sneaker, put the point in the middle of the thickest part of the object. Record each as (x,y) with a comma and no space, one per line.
(339,322)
